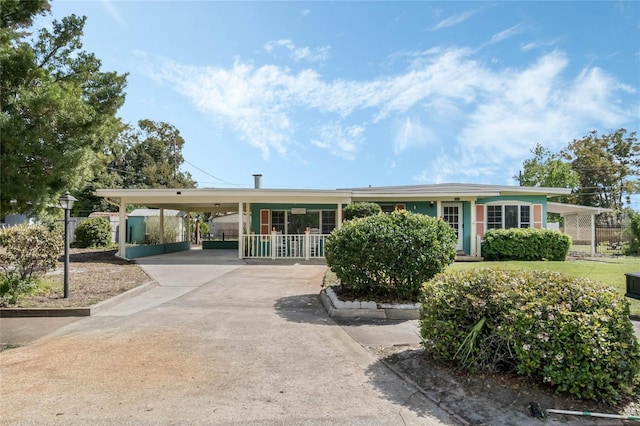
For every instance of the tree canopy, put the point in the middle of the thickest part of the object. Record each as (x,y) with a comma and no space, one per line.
(146,156)
(58,108)
(602,169)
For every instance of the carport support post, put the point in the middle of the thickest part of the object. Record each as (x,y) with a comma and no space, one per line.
(161,226)
(593,235)
(122,232)
(240,233)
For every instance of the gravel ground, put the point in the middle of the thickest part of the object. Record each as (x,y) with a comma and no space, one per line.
(94,275)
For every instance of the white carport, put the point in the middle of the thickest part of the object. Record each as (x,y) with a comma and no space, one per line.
(579,221)
(217,200)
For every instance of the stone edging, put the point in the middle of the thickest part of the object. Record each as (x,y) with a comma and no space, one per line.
(77,311)
(368,310)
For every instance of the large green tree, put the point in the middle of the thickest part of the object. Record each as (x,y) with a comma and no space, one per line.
(154,157)
(547,169)
(57,108)
(608,167)
(602,169)
(146,156)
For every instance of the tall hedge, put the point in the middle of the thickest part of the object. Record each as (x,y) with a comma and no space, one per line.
(569,333)
(390,254)
(525,244)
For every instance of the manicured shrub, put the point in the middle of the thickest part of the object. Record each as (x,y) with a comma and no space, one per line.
(93,232)
(362,209)
(570,333)
(525,244)
(390,254)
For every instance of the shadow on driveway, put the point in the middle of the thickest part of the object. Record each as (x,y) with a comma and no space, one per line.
(304,308)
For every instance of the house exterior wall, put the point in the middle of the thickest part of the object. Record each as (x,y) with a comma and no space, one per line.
(538,205)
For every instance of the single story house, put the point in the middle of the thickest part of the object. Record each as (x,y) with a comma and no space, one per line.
(296,222)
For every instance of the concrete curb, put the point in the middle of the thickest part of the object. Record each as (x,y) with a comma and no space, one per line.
(367,310)
(77,311)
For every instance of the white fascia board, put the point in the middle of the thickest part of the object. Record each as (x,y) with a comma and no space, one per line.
(571,209)
(203,197)
(425,196)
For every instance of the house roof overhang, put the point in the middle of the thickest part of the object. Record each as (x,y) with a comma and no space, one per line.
(220,199)
(572,209)
(449,191)
(227,199)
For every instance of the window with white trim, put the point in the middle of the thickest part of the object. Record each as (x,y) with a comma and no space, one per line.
(288,223)
(505,216)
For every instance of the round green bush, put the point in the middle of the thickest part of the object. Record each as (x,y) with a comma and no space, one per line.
(390,254)
(93,232)
(362,209)
(570,333)
(525,244)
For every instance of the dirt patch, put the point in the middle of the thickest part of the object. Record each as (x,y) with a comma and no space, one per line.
(494,399)
(95,275)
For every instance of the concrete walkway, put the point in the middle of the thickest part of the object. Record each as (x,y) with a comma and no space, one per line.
(217,342)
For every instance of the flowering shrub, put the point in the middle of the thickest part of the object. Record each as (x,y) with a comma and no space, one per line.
(570,333)
(390,255)
(525,244)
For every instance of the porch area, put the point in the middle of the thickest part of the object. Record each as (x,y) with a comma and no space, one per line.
(283,246)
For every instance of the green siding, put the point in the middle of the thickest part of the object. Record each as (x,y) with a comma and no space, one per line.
(155,249)
(466,227)
(533,199)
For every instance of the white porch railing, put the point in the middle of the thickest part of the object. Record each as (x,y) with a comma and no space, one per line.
(278,246)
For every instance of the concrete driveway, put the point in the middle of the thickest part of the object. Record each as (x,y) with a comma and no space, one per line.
(218,342)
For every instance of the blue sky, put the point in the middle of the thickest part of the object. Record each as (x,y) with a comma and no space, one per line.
(348,94)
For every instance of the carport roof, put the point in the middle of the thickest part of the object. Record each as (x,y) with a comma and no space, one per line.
(215,199)
(572,209)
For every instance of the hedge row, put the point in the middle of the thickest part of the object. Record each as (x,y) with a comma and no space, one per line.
(525,244)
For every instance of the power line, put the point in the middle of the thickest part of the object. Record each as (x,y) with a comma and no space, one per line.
(210,175)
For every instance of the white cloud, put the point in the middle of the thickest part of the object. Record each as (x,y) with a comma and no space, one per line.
(508,33)
(340,140)
(492,117)
(113,12)
(454,20)
(411,133)
(537,44)
(300,53)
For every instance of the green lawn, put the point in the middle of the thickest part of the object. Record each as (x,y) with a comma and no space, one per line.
(607,270)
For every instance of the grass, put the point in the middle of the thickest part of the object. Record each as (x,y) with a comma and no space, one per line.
(610,271)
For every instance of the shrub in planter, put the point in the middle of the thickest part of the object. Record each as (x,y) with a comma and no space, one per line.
(390,255)
(93,232)
(570,333)
(363,209)
(525,244)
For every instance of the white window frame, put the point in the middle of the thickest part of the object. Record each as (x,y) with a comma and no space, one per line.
(502,205)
